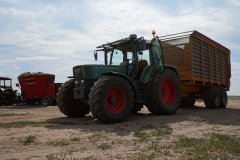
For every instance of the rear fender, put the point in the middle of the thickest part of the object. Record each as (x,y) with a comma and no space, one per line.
(172,67)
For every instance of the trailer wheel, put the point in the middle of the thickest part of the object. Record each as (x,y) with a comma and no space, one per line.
(212,97)
(164,97)
(111,99)
(67,104)
(224,98)
(46,101)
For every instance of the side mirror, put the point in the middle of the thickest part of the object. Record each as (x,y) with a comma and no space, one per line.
(140,53)
(17,85)
(95,55)
(141,45)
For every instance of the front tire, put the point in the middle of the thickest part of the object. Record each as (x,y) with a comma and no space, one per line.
(67,104)
(2,98)
(111,99)
(164,97)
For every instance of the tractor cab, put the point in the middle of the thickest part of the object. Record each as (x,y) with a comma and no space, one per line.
(135,54)
(5,82)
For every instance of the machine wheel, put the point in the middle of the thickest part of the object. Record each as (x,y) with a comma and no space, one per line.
(67,104)
(212,97)
(46,101)
(2,98)
(224,98)
(111,99)
(164,97)
(187,102)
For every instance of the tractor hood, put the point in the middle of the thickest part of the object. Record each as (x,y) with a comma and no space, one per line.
(95,71)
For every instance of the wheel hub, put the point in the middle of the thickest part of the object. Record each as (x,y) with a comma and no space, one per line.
(113,99)
(168,91)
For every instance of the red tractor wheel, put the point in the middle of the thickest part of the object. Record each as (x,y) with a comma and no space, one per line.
(115,100)
(168,91)
(164,97)
(111,99)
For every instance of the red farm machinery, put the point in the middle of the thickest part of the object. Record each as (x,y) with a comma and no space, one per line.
(38,88)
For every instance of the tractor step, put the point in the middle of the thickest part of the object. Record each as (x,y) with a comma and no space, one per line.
(141,90)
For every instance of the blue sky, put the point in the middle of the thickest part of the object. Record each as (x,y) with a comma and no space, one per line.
(54,35)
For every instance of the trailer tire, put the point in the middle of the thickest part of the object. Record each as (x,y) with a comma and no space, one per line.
(164,97)
(67,104)
(46,101)
(224,98)
(111,99)
(212,97)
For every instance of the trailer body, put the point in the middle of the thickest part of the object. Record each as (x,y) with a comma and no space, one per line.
(38,87)
(201,62)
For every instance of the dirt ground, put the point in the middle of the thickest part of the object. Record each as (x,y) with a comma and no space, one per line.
(36,132)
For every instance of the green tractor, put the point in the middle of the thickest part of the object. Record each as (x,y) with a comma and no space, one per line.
(133,75)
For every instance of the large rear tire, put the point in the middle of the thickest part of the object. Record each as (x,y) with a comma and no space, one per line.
(212,97)
(111,99)
(67,104)
(164,97)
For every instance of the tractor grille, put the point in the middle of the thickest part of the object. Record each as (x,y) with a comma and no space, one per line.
(88,72)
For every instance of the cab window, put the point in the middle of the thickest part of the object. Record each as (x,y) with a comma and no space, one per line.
(117,57)
(144,55)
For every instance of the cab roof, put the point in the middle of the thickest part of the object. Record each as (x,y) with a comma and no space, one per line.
(5,78)
(122,44)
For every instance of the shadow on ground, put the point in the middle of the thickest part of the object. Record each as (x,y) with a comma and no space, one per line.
(228,116)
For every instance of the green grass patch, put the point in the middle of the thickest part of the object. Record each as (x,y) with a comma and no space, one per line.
(147,134)
(27,140)
(60,142)
(145,156)
(96,137)
(65,156)
(215,146)
(75,139)
(21,124)
(104,146)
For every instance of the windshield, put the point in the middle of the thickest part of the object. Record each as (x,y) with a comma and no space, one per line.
(5,83)
(120,57)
